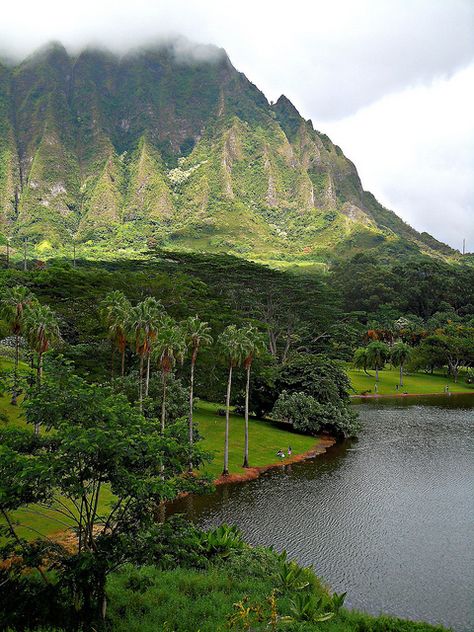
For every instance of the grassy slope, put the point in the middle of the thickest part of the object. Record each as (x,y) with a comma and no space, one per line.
(264,440)
(419,383)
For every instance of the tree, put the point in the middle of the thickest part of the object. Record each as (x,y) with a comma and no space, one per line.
(377,355)
(399,355)
(360,360)
(13,304)
(116,312)
(198,334)
(98,440)
(144,321)
(169,347)
(42,331)
(230,344)
(253,344)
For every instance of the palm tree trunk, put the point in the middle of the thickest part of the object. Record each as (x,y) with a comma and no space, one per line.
(246,446)
(39,377)
(112,361)
(163,404)
(191,397)
(225,471)
(147,382)
(376,372)
(140,383)
(13,401)
(122,371)
(401,374)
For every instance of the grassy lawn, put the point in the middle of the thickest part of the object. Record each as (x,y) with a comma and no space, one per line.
(264,440)
(413,383)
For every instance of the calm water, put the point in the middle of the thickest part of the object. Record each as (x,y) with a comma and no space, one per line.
(388,518)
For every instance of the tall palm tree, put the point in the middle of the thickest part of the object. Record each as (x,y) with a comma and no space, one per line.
(42,331)
(168,348)
(115,309)
(400,353)
(230,344)
(143,324)
(13,304)
(198,335)
(253,343)
(377,355)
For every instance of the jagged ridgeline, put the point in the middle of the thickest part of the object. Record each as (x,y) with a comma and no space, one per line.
(172,145)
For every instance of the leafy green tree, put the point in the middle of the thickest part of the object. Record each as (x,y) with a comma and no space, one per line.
(360,360)
(143,324)
(253,344)
(116,313)
(399,355)
(377,355)
(230,345)
(169,347)
(98,442)
(13,304)
(198,335)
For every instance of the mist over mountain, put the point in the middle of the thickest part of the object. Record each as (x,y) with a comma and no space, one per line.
(170,145)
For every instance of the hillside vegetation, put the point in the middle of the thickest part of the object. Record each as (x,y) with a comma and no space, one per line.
(176,150)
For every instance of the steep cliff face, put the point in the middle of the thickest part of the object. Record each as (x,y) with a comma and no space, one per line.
(179,147)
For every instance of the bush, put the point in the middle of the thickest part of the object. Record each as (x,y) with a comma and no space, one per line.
(308,415)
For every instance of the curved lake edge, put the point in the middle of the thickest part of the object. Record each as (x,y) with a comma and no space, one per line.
(252,473)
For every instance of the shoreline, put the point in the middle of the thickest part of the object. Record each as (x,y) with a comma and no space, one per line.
(385,395)
(252,473)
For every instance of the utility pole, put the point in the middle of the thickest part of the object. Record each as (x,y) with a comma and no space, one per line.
(464,246)
(73,254)
(25,267)
(8,252)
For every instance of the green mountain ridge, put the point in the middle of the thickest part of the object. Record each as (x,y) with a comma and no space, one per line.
(177,149)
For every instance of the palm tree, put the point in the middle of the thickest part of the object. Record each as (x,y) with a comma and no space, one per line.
(13,304)
(400,353)
(198,334)
(253,344)
(169,346)
(360,359)
(42,331)
(377,355)
(143,323)
(115,309)
(230,344)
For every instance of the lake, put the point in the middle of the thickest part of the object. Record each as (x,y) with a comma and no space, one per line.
(388,517)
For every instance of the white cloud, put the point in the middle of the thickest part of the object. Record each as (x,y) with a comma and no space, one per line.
(415,151)
(385,77)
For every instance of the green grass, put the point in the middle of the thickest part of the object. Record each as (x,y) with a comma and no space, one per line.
(264,440)
(414,383)
(185,600)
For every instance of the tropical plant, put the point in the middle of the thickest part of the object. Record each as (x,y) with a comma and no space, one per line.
(230,344)
(13,304)
(42,331)
(198,335)
(399,355)
(306,607)
(222,541)
(98,441)
(115,309)
(168,348)
(377,355)
(253,343)
(360,360)
(143,324)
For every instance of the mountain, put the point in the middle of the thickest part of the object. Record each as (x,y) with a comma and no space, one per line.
(173,146)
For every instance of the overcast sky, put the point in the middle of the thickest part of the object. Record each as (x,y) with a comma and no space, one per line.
(390,81)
